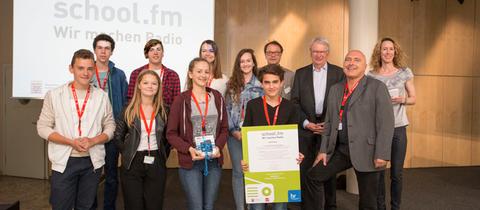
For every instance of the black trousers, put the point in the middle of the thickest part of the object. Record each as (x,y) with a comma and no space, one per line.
(318,175)
(308,147)
(143,185)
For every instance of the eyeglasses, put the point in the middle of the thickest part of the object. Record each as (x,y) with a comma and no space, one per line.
(319,52)
(270,53)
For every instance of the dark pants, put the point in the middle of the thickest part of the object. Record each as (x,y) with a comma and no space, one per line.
(143,185)
(111,176)
(76,187)
(308,147)
(319,174)
(399,149)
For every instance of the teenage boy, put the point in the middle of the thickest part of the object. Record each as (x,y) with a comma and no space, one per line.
(270,109)
(114,82)
(76,120)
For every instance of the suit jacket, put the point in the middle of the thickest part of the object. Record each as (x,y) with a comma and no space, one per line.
(302,91)
(370,123)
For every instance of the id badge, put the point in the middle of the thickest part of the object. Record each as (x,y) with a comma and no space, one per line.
(340,126)
(148,159)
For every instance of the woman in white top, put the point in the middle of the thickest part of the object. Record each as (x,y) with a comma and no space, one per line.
(388,63)
(140,138)
(217,80)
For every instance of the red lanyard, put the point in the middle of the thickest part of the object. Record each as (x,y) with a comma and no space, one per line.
(266,111)
(147,127)
(80,112)
(346,94)
(104,79)
(162,71)
(204,117)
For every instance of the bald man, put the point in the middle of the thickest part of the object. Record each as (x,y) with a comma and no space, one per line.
(359,126)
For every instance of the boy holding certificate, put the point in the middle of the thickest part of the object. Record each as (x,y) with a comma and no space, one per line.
(270,109)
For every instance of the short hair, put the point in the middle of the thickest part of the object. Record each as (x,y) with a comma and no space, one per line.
(273,69)
(274,42)
(103,37)
(150,44)
(83,54)
(320,40)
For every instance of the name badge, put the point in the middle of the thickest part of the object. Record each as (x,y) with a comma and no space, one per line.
(340,127)
(148,159)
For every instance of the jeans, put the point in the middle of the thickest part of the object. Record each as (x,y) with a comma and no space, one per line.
(399,149)
(261,206)
(76,187)
(235,150)
(111,176)
(201,191)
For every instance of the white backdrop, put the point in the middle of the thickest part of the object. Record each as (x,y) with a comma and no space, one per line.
(46,33)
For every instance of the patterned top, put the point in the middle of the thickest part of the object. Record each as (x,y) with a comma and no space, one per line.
(252,89)
(396,87)
(170,84)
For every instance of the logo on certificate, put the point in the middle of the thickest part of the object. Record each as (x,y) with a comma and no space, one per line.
(294,196)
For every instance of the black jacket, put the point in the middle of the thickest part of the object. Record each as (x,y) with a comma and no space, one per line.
(127,138)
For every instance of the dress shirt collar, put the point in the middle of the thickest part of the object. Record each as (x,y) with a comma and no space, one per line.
(324,67)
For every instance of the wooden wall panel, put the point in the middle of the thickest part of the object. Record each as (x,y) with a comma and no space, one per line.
(476,122)
(457,121)
(476,44)
(459,38)
(428,39)
(426,123)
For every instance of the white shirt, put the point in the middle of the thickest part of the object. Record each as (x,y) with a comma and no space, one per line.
(319,89)
(143,146)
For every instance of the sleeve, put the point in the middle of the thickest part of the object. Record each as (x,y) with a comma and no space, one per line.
(173,126)
(323,148)
(229,107)
(293,116)
(124,86)
(174,88)
(120,131)
(46,121)
(222,137)
(131,84)
(384,123)
(408,74)
(108,123)
(248,120)
(295,96)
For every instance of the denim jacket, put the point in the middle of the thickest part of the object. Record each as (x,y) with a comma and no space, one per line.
(252,89)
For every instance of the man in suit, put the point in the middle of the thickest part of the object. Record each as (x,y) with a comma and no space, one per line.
(273,54)
(359,126)
(310,89)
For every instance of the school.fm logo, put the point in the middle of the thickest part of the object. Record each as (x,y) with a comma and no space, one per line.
(294,196)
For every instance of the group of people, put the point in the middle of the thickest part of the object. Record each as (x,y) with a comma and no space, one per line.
(346,118)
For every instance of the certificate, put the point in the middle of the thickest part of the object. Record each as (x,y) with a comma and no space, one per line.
(271,152)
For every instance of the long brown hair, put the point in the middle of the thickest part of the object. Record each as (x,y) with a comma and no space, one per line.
(133,109)
(237,82)
(398,59)
(215,66)
(190,69)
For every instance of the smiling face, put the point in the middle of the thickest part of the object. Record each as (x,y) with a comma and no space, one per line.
(246,63)
(207,52)
(387,51)
(148,85)
(273,54)
(319,54)
(82,70)
(354,65)
(200,74)
(103,51)
(271,85)
(155,54)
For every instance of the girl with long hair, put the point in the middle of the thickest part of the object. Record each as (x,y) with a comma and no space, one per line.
(210,52)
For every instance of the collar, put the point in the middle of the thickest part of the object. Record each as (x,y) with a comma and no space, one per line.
(324,67)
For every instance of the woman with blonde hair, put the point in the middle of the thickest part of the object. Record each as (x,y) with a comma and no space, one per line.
(140,138)
(388,65)
(198,128)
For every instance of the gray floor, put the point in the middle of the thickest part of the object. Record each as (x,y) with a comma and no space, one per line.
(433,188)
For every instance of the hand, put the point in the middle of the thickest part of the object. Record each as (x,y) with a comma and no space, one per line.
(78,145)
(87,142)
(237,135)
(320,157)
(315,128)
(321,128)
(398,100)
(244,165)
(196,155)
(300,158)
(216,152)
(379,163)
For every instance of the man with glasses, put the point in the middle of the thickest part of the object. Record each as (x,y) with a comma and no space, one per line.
(273,54)
(153,51)
(310,91)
